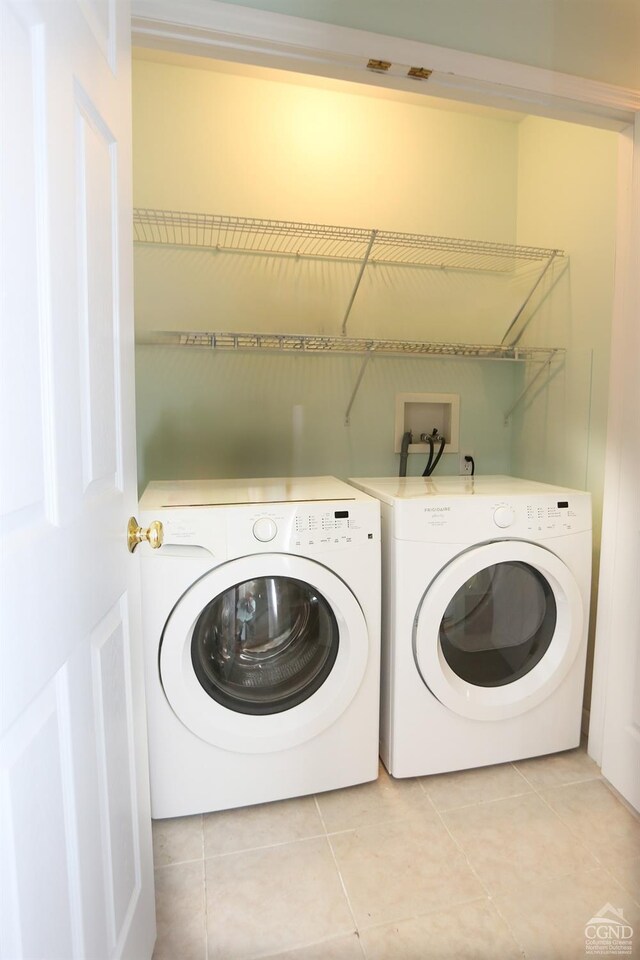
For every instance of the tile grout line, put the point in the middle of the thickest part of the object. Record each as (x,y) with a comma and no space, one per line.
(310,836)
(177,863)
(599,864)
(432,911)
(489,896)
(339,872)
(513,796)
(460,848)
(635,900)
(268,846)
(566,783)
(481,803)
(578,840)
(288,950)
(204,885)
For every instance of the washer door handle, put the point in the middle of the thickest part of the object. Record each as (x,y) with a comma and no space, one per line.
(154,534)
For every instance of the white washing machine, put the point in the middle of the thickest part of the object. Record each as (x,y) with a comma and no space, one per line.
(486,586)
(261,621)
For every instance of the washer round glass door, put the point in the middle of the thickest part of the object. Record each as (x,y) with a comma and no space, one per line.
(498,629)
(265,645)
(263,652)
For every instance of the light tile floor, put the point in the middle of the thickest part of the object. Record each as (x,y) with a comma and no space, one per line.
(502,862)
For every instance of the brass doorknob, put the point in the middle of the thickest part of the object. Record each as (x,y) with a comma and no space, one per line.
(154,534)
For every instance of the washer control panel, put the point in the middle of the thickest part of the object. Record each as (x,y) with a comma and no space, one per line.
(235,530)
(327,528)
(305,528)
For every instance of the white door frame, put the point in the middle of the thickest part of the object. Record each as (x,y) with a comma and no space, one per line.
(219,30)
(614,731)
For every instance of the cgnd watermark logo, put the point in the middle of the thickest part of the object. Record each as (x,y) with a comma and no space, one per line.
(608,933)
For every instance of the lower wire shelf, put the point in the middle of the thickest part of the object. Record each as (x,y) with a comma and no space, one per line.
(306,344)
(303,343)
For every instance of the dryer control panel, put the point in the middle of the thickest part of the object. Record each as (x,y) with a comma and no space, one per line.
(460,519)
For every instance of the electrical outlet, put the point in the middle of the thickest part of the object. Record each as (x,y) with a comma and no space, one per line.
(466,466)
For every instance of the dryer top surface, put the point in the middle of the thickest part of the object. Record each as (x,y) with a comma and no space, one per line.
(396,489)
(199,493)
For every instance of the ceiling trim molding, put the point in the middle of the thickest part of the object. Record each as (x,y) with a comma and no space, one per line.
(213,29)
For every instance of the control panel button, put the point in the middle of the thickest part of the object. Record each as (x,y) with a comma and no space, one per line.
(265,529)
(503,516)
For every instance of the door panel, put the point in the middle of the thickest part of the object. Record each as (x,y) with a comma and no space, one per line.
(101,19)
(77,863)
(35,816)
(96,154)
(23,357)
(110,658)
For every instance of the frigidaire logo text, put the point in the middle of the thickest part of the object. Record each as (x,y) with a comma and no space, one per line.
(436,509)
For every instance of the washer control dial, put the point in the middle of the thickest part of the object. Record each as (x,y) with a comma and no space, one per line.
(503,516)
(265,529)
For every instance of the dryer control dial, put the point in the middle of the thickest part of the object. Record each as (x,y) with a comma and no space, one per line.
(265,529)
(503,516)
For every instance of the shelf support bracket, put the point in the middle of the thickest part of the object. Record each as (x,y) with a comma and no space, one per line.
(545,368)
(372,240)
(510,342)
(347,416)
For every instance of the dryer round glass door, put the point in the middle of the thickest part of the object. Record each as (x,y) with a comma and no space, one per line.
(263,653)
(498,629)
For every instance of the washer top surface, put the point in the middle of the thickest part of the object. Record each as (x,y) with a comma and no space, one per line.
(199,493)
(394,489)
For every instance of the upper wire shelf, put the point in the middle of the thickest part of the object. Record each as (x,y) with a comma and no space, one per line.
(351,244)
(287,238)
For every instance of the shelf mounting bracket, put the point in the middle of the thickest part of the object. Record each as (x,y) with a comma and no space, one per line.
(365,362)
(545,368)
(516,335)
(372,240)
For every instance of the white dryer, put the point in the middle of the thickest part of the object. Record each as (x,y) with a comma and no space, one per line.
(486,585)
(261,621)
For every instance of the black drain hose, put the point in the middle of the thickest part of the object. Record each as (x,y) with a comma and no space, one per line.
(404,453)
(431,463)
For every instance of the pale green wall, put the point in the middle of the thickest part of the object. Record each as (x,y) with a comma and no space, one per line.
(223,143)
(202,414)
(567,196)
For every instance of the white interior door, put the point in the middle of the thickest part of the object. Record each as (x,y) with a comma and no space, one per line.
(614,733)
(76,861)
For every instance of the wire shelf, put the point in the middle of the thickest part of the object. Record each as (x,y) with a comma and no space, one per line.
(287,238)
(294,343)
